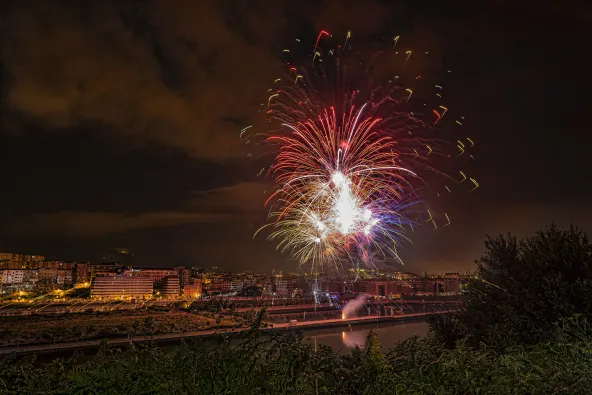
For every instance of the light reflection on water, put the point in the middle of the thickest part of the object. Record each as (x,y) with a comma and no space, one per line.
(349,337)
(341,338)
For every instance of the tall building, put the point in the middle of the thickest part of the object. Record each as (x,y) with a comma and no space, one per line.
(157,275)
(82,273)
(13,276)
(184,275)
(61,265)
(107,268)
(192,291)
(64,278)
(6,258)
(121,287)
(55,275)
(10,260)
(171,287)
(12,280)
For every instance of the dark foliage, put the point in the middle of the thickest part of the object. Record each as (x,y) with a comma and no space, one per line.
(286,365)
(522,288)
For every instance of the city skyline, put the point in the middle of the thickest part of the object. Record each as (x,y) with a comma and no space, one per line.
(31,279)
(157,168)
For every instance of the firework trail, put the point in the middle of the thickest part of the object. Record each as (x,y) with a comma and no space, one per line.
(351,159)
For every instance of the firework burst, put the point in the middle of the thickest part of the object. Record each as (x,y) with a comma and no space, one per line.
(351,161)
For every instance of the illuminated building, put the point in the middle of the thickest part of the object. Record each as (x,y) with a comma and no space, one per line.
(9,260)
(8,257)
(13,280)
(82,273)
(105,269)
(184,275)
(171,287)
(60,265)
(237,286)
(55,275)
(379,287)
(157,275)
(285,285)
(121,287)
(281,287)
(14,276)
(192,290)
(219,286)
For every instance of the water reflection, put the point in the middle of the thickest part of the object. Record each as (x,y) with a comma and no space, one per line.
(345,338)
(353,338)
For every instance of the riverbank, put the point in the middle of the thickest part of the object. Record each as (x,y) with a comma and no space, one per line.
(171,338)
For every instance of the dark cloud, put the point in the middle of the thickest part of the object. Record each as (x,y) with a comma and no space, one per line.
(244,199)
(189,75)
(167,74)
(361,17)
(84,224)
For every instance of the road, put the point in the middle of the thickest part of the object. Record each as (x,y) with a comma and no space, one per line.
(172,337)
(350,321)
(85,305)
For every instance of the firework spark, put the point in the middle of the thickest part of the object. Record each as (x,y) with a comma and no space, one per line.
(349,165)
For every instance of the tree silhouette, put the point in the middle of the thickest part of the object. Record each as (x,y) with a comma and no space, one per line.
(522,288)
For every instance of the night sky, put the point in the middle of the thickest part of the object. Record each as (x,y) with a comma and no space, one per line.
(119,121)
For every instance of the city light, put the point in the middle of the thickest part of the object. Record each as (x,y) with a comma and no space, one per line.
(115,288)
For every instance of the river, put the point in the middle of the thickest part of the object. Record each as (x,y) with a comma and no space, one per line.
(338,338)
(388,333)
